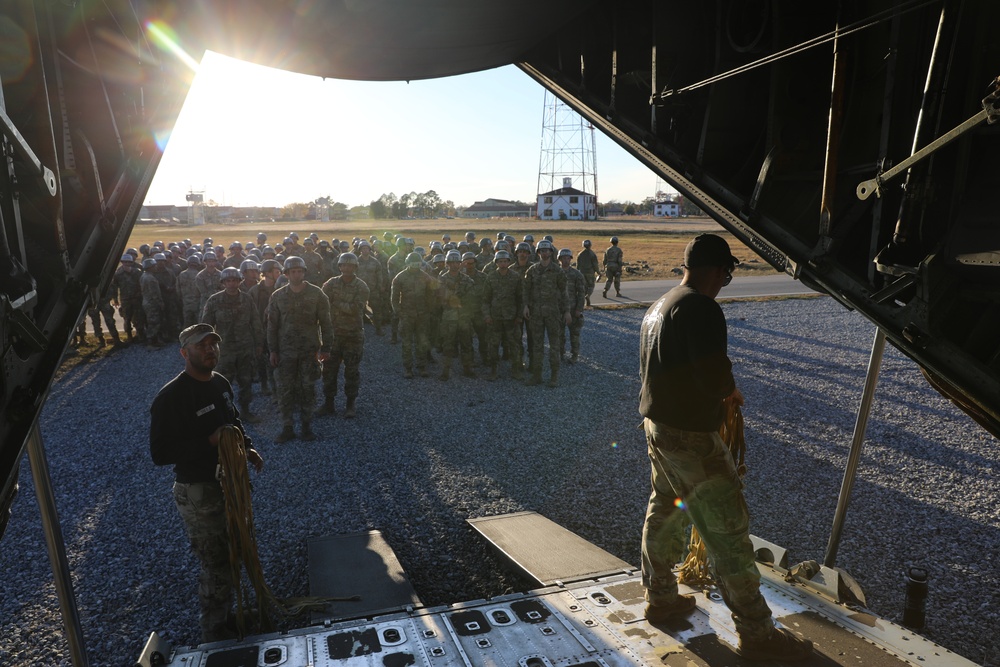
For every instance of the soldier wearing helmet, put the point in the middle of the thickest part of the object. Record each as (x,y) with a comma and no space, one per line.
(348,296)
(153,306)
(502,300)
(394,266)
(298,320)
(261,238)
(171,323)
(476,306)
(315,264)
(586,264)
(576,292)
(250,270)
(485,255)
(613,263)
(234,316)
(187,289)
(456,319)
(374,274)
(126,294)
(546,310)
(260,294)
(411,292)
(208,279)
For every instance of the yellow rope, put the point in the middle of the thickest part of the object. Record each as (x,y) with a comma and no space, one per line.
(243,554)
(694,570)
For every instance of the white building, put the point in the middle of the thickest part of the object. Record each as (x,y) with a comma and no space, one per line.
(567,203)
(667,209)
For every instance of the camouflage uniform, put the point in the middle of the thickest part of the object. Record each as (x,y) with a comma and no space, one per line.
(476,308)
(394,265)
(260,294)
(152,307)
(523,335)
(171,324)
(545,297)
(371,271)
(209,282)
(103,309)
(187,286)
(295,323)
(410,296)
(236,319)
(456,326)
(502,297)
(126,290)
(576,292)
(586,263)
(613,263)
(347,308)
(316,271)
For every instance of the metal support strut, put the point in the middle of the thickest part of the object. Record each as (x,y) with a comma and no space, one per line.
(871,380)
(56,547)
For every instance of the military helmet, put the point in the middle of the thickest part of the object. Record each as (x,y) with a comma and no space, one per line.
(548,237)
(287,240)
(264,249)
(324,244)
(128,258)
(364,244)
(230,273)
(235,244)
(249,265)
(586,244)
(528,238)
(207,241)
(501,254)
(144,249)
(565,252)
(314,236)
(544,245)
(308,241)
(210,255)
(148,263)
(250,245)
(194,259)
(133,252)
(400,242)
(347,258)
(453,256)
(438,258)
(261,237)
(269,265)
(294,262)
(470,235)
(160,257)
(501,236)
(503,245)
(614,239)
(293,235)
(420,250)
(414,259)
(485,241)
(469,255)
(522,246)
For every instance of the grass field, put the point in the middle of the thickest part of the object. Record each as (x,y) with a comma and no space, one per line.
(653,247)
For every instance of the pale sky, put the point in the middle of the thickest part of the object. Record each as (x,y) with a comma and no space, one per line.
(250,135)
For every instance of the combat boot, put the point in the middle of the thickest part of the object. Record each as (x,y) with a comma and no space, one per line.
(445,369)
(287,433)
(328,408)
(247,416)
(554,380)
(605,294)
(588,300)
(117,339)
(574,357)
(129,337)
(408,373)
(517,372)
(536,378)
(618,293)
(350,410)
(100,340)
(307,432)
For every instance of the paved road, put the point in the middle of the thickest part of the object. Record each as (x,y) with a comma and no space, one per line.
(648,291)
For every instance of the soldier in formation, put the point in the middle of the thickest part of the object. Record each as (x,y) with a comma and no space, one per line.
(348,296)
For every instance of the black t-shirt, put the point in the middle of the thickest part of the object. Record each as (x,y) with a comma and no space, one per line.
(183,415)
(684,368)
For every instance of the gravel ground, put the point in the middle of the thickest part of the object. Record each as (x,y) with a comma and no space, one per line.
(423,456)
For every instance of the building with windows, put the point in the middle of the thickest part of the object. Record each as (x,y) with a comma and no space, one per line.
(567,203)
(667,209)
(498,208)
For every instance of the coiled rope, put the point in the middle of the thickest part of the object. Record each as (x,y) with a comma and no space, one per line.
(235,480)
(694,571)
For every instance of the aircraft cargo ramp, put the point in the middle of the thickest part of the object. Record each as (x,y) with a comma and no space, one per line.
(586,622)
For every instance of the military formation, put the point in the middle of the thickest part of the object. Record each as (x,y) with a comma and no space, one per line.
(292,314)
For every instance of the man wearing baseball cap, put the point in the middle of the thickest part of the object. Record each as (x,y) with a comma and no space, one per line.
(186,420)
(687,386)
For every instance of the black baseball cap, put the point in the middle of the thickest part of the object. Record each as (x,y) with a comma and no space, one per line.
(708,250)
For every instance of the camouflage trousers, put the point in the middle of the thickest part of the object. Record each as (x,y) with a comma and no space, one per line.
(456,340)
(190,313)
(698,469)
(203,510)
(614,276)
(413,334)
(574,335)
(108,313)
(590,281)
(154,328)
(482,334)
(507,333)
(132,314)
(540,326)
(297,374)
(347,352)
(237,367)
